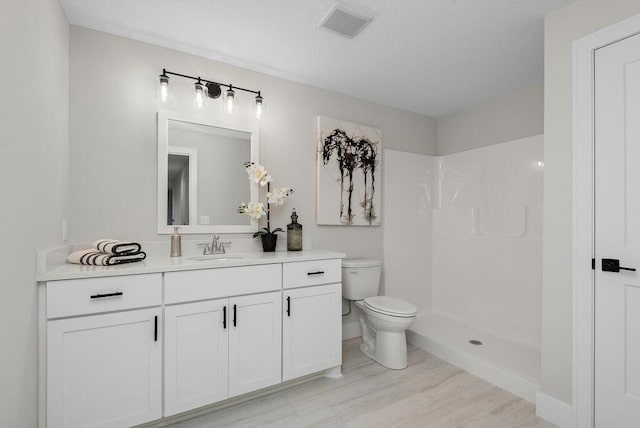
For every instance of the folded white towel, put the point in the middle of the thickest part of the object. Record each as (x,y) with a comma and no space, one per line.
(113,246)
(96,258)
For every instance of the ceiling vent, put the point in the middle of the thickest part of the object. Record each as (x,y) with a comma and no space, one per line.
(343,20)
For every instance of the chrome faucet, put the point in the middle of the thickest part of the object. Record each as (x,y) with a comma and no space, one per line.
(216,246)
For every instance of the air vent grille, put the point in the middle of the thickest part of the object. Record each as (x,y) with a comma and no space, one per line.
(344,21)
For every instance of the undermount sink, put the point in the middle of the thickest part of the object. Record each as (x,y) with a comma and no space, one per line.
(216,257)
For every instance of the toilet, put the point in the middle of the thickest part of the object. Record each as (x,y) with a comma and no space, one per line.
(384,319)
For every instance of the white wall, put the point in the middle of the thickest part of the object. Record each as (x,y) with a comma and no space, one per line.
(517,114)
(487,248)
(113,127)
(408,204)
(33,168)
(562,28)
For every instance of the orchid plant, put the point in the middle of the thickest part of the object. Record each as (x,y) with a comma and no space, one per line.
(275,197)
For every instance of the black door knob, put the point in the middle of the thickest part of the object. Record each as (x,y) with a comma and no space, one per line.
(613,265)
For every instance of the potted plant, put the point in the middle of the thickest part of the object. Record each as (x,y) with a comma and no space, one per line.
(256,210)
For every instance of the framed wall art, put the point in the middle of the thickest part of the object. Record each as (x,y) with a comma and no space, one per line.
(348,183)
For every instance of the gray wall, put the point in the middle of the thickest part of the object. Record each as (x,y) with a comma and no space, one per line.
(113,128)
(518,114)
(562,28)
(33,166)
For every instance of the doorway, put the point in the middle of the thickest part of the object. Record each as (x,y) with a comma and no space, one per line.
(606,318)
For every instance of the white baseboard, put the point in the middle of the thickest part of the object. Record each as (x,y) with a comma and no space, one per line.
(506,380)
(553,410)
(351,330)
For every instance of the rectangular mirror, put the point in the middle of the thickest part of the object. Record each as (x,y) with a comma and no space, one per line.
(201,176)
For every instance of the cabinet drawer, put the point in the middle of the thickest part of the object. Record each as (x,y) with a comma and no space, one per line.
(205,284)
(92,295)
(302,274)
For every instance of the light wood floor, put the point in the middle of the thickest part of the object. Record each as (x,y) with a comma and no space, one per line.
(429,393)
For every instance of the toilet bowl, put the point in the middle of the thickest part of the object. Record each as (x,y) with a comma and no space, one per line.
(384,320)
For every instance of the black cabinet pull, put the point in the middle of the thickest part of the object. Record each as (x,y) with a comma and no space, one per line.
(613,265)
(155,329)
(234,315)
(101,296)
(288,306)
(224,316)
(319,272)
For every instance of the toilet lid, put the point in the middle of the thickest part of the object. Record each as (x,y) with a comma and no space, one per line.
(390,306)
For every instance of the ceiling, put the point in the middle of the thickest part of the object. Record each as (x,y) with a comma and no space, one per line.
(432,57)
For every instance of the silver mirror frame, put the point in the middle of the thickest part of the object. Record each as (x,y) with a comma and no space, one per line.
(163,163)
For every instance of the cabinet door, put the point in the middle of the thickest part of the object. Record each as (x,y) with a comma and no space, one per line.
(255,342)
(104,370)
(196,355)
(311,329)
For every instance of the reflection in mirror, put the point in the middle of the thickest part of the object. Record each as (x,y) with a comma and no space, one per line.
(181,186)
(202,179)
(178,195)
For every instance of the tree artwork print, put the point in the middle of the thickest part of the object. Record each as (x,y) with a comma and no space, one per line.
(348,173)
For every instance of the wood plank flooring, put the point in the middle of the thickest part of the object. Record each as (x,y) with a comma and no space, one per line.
(429,393)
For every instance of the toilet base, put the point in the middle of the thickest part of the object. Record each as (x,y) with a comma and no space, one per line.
(387,348)
(392,354)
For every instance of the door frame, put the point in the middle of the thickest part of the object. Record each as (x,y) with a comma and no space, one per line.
(583,212)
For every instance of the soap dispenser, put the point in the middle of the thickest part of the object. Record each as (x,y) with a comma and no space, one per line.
(294,233)
(176,243)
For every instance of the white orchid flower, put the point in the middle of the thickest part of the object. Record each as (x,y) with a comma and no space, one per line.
(278,195)
(265,180)
(258,173)
(252,209)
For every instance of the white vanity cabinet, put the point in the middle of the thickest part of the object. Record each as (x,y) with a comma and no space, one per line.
(196,355)
(255,355)
(224,347)
(311,325)
(122,350)
(104,370)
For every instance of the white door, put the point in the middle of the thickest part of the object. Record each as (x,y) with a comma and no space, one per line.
(255,346)
(104,370)
(311,330)
(196,363)
(617,235)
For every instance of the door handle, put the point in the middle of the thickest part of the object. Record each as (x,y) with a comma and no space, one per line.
(234,315)
(224,316)
(319,272)
(613,265)
(155,328)
(102,296)
(288,306)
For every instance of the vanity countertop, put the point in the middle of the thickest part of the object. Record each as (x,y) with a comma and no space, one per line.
(174,264)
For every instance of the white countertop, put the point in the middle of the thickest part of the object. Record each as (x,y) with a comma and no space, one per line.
(173,264)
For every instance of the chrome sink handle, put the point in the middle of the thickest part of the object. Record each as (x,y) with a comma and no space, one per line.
(216,246)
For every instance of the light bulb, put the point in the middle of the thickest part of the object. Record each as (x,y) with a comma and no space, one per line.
(164,92)
(230,100)
(199,98)
(259,106)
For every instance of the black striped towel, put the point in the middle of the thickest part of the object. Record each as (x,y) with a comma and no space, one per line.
(96,258)
(115,247)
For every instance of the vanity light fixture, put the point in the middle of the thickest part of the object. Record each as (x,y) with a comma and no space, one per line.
(199,99)
(205,88)
(164,92)
(259,106)
(230,100)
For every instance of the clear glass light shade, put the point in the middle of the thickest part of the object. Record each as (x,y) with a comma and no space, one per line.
(200,96)
(230,102)
(164,91)
(259,107)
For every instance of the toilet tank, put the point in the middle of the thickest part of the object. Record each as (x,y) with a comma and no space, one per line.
(360,278)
